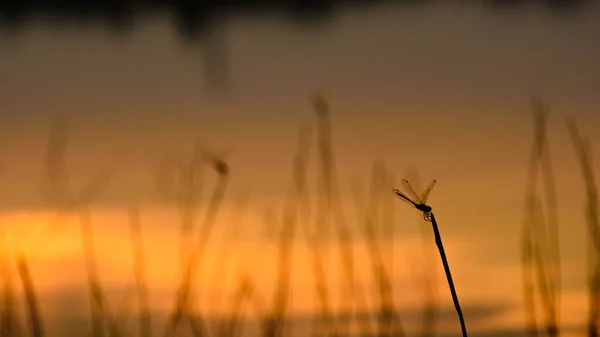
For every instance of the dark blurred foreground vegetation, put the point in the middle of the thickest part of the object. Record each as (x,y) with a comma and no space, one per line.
(194,17)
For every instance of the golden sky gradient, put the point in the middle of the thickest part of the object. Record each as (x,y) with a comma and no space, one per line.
(434,92)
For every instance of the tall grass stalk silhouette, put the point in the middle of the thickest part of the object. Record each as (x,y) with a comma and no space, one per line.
(33,309)
(388,220)
(321,236)
(440,246)
(57,190)
(10,324)
(428,325)
(584,155)
(245,292)
(95,290)
(553,242)
(388,320)
(182,307)
(102,320)
(353,291)
(310,236)
(221,265)
(326,318)
(540,245)
(325,183)
(540,262)
(527,238)
(124,310)
(139,267)
(233,325)
(179,179)
(275,320)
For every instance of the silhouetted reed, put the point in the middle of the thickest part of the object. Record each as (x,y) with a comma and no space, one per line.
(440,246)
(56,188)
(527,245)
(353,291)
(57,191)
(323,213)
(387,318)
(182,308)
(98,305)
(540,246)
(139,267)
(325,182)
(584,155)
(180,180)
(124,310)
(388,220)
(318,237)
(33,311)
(10,324)
(234,324)
(428,325)
(275,324)
(220,267)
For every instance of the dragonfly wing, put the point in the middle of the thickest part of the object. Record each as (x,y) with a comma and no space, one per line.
(403,197)
(425,194)
(411,192)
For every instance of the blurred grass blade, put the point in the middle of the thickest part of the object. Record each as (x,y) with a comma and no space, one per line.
(92,190)
(583,152)
(33,311)
(10,325)
(139,266)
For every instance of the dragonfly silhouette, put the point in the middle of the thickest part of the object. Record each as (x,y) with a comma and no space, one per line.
(418,201)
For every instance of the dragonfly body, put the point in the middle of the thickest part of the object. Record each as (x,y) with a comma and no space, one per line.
(418,201)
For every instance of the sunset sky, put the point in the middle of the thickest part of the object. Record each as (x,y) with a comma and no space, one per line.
(433,91)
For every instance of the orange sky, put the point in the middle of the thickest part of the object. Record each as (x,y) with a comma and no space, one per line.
(409,92)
